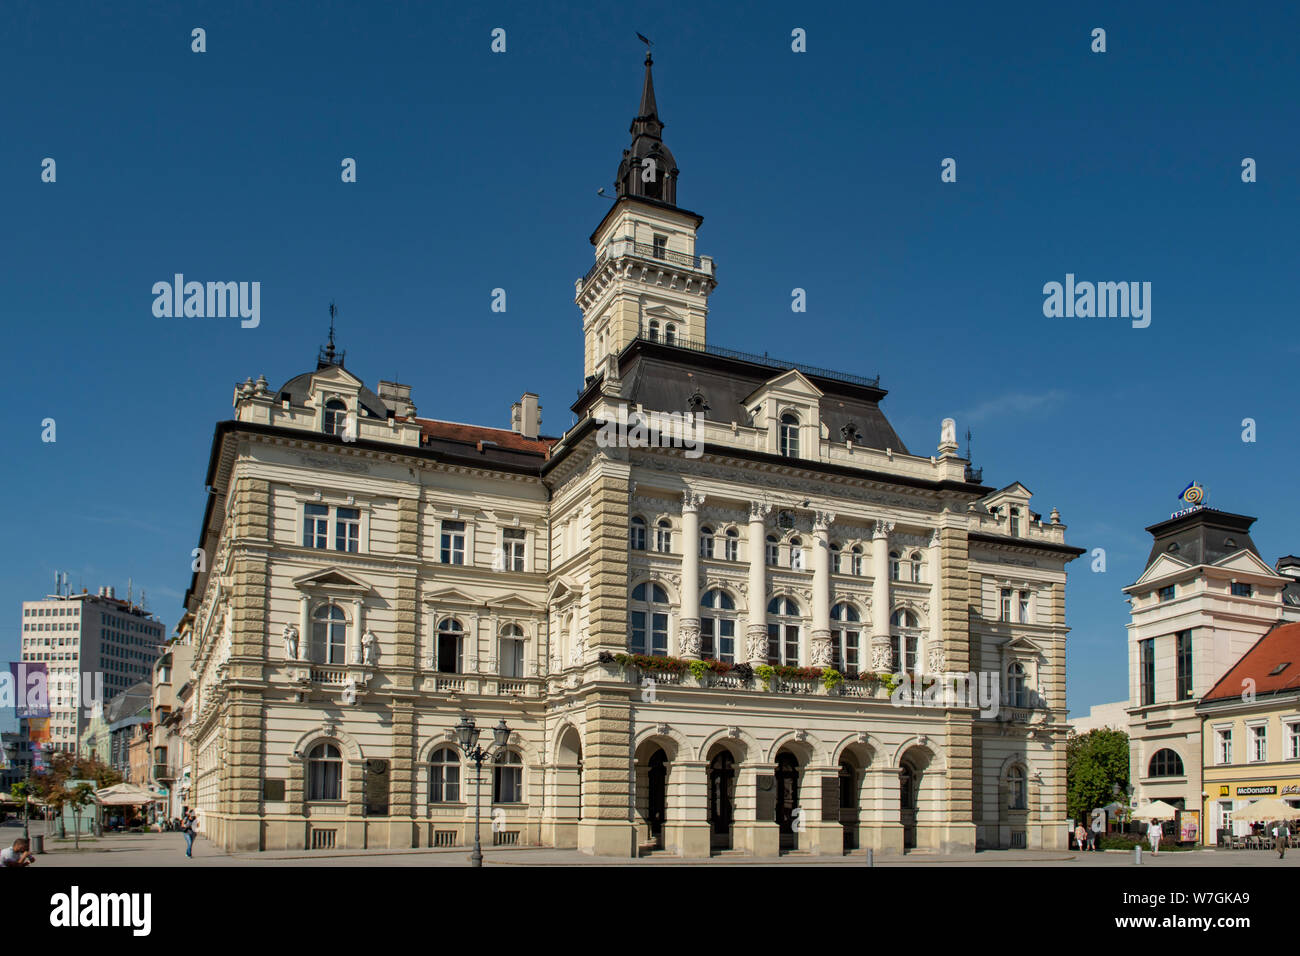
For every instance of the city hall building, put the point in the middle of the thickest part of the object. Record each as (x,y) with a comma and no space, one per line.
(690,608)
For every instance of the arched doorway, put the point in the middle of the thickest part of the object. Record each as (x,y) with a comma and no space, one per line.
(787,797)
(657,796)
(909,785)
(850,779)
(722,799)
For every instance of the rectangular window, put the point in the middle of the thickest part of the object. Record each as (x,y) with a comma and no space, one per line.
(1293,741)
(1243,590)
(1259,743)
(449,653)
(660,246)
(512,544)
(1223,746)
(783,644)
(649,634)
(1004,608)
(1184,690)
(773,551)
(315,526)
(1147,671)
(1166,593)
(347,529)
(512,657)
(453,542)
(1024,607)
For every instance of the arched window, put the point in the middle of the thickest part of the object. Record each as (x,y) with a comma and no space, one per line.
(773,550)
(670,334)
(836,557)
(1016,789)
(324,773)
(903,625)
(796,554)
(335,417)
(444,776)
(637,537)
(895,566)
(664,536)
(856,556)
(450,633)
(329,635)
(789,435)
(718,626)
(648,617)
(1015,521)
(732,545)
(508,778)
(706,542)
(654,330)
(1165,763)
(916,566)
(783,620)
(907,787)
(512,651)
(1016,694)
(846,638)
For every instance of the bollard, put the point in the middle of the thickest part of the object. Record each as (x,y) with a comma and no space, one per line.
(1137,854)
(38,843)
(871,857)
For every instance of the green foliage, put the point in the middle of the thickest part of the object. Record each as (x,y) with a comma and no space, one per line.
(765,673)
(890,681)
(699,669)
(1094,763)
(831,678)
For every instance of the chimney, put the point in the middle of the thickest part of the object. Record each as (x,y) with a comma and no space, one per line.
(526,416)
(398,398)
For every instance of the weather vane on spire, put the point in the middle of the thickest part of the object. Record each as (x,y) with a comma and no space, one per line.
(648,44)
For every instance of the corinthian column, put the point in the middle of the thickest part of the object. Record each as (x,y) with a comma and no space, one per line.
(821,602)
(756,633)
(880,641)
(688,622)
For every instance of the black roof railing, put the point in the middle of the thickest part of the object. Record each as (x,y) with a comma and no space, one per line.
(660,336)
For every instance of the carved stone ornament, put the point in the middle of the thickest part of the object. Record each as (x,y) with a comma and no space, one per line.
(821,652)
(881,654)
(688,637)
(936,662)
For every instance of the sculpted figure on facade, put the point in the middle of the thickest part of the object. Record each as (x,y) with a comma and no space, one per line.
(291,642)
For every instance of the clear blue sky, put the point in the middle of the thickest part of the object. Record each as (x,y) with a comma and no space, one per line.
(817,170)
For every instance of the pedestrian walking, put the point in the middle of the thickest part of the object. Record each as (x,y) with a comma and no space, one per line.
(1081,837)
(1280,834)
(1153,834)
(188,820)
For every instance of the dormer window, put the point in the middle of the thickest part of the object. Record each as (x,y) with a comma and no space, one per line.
(335,418)
(789,435)
(1015,522)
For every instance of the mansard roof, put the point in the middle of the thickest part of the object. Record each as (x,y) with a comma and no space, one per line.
(1205,536)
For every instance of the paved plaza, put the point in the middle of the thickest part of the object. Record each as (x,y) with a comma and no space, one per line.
(168,849)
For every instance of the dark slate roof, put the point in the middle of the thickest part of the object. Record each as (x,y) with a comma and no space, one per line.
(1202,537)
(296,390)
(129,703)
(663,378)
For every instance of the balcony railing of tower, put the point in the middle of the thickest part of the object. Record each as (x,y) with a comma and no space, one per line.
(659,337)
(626,247)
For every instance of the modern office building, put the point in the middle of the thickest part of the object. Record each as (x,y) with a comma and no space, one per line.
(95,646)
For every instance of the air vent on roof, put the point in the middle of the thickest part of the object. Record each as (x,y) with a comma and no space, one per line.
(1229,543)
(1173,546)
(1279,669)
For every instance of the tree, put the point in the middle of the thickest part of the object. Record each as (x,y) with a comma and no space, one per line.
(82,795)
(22,792)
(1094,763)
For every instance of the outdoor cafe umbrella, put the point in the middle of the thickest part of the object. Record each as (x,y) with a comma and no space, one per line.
(1156,810)
(1264,811)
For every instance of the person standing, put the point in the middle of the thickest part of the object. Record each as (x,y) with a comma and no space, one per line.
(187,828)
(1081,836)
(1280,834)
(1153,834)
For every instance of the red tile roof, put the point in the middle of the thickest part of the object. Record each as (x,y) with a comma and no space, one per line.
(1280,644)
(473,434)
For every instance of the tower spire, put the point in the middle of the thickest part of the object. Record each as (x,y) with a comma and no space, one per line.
(328,355)
(648,168)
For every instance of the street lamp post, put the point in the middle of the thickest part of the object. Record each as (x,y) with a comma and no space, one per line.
(467,734)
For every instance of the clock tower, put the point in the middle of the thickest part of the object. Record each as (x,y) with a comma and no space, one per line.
(648,280)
